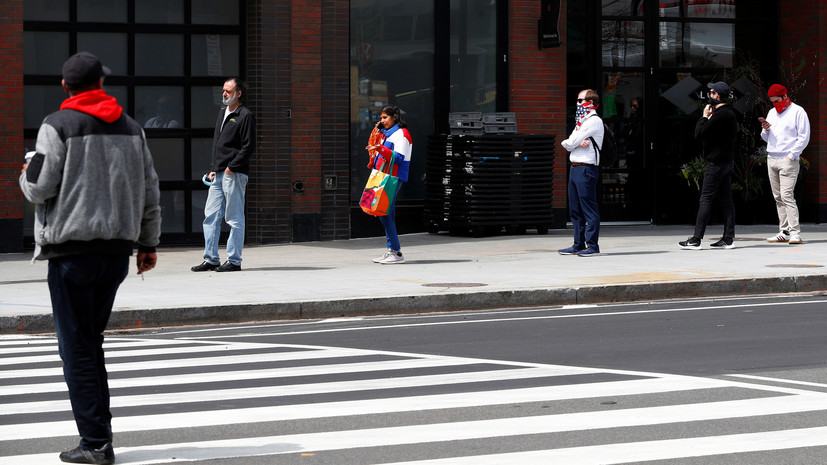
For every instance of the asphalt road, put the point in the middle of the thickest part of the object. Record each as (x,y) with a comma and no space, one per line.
(737,381)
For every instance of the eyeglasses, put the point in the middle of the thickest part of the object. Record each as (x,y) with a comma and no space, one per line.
(581,100)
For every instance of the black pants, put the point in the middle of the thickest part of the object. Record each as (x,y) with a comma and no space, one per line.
(717,183)
(83,290)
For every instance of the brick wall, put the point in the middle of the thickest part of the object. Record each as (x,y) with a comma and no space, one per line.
(538,82)
(802,32)
(11,125)
(297,55)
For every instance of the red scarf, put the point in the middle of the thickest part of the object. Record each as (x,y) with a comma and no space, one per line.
(782,105)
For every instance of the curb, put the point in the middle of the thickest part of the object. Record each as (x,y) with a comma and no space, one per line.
(482,300)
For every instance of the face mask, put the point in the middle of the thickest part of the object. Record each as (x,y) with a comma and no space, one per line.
(782,105)
(713,101)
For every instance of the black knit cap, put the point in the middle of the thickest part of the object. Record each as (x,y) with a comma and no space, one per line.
(83,69)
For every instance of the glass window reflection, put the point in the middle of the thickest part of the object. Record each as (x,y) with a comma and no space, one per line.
(215,12)
(215,55)
(44,52)
(623,7)
(622,43)
(720,9)
(201,158)
(101,11)
(205,104)
(41,101)
(172,211)
(46,10)
(159,11)
(109,47)
(159,54)
(168,157)
(159,107)
(697,45)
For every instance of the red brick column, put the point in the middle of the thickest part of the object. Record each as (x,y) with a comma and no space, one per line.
(538,86)
(11,125)
(297,54)
(802,33)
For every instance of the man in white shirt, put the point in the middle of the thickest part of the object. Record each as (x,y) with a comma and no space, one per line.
(584,176)
(787,133)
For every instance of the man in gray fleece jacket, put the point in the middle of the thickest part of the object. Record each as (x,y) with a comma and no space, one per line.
(96,195)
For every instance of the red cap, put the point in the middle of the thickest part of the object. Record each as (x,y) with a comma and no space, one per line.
(777,90)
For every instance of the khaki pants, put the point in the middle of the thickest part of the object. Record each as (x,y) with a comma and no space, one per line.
(783,174)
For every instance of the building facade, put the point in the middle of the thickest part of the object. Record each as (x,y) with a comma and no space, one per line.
(319,73)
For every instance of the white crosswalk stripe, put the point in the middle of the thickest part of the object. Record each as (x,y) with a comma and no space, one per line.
(185,387)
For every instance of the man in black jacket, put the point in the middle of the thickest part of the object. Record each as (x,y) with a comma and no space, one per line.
(234,142)
(717,129)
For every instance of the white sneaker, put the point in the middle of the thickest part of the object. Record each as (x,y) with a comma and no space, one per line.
(393,257)
(796,239)
(384,256)
(780,237)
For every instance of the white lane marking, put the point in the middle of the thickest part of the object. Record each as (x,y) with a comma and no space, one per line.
(638,452)
(112,352)
(376,406)
(200,361)
(820,303)
(781,380)
(602,454)
(289,390)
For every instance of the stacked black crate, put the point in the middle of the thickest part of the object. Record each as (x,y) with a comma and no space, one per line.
(483,184)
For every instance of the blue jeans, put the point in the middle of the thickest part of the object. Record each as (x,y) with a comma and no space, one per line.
(83,289)
(585,215)
(389,222)
(225,200)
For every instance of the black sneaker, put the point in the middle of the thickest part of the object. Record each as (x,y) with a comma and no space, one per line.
(105,455)
(723,244)
(204,266)
(693,243)
(227,266)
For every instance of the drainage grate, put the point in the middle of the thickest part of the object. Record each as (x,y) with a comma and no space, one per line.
(795,265)
(455,285)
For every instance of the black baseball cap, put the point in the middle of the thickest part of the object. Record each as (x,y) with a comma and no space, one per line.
(83,69)
(720,87)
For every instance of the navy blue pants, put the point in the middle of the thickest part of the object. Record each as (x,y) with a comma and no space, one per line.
(585,215)
(83,290)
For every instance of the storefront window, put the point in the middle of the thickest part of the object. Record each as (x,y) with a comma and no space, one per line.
(45,10)
(159,107)
(473,56)
(159,54)
(159,11)
(721,9)
(392,62)
(697,45)
(101,11)
(622,43)
(45,52)
(168,158)
(111,48)
(214,55)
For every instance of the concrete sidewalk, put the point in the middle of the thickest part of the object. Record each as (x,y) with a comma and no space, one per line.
(442,273)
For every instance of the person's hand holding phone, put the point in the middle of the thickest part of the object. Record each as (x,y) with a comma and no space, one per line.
(764,124)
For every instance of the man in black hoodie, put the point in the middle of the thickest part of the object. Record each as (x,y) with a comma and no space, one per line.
(717,129)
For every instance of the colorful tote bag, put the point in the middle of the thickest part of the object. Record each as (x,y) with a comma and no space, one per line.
(380,190)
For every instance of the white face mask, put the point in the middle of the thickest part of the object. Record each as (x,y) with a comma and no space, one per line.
(231,100)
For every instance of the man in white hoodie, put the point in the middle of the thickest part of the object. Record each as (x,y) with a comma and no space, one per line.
(787,133)
(584,176)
